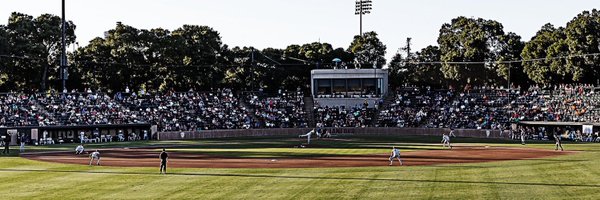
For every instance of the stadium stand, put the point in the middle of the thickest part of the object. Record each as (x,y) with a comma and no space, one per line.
(471,108)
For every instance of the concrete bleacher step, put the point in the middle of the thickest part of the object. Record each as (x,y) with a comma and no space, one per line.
(309,105)
(387,101)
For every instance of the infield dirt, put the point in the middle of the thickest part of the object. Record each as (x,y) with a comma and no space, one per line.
(149,158)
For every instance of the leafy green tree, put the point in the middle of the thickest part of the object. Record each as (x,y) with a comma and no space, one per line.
(399,72)
(201,48)
(417,68)
(509,49)
(428,73)
(476,40)
(3,40)
(38,42)
(343,55)
(540,71)
(583,37)
(245,70)
(368,50)
(113,62)
(191,57)
(3,56)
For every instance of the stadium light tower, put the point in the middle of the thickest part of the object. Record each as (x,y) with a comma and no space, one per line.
(363,7)
(63,56)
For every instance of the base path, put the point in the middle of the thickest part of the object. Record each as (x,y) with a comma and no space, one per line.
(149,158)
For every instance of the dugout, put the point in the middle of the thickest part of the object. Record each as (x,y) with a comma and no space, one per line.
(70,134)
(583,127)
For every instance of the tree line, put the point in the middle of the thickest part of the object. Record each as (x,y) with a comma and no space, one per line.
(477,51)
(468,51)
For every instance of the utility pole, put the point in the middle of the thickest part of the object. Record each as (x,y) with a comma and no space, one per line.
(252,68)
(363,7)
(509,66)
(63,56)
(408,47)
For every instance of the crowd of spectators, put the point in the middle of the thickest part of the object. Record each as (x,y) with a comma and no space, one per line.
(481,108)
(490,108)
(170,111)
(470,108)
(566,103)
(187,111)
(336,116)
(283,110)
(18,110)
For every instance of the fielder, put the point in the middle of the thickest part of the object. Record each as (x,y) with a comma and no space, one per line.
(522,137)
(327,134)
(395,154)
(307,135)
(558,142)
(95,155)
(79,149)
(446,141)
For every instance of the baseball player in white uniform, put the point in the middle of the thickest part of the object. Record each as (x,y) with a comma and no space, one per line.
(558,142)
(95,155)
(395,154)
(446,141)
(522,137)
(82,137)
(79,149)
(307,135)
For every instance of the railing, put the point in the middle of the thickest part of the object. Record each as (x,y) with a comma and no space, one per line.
(294,132)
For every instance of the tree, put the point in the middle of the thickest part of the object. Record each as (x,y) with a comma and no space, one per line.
(417,69)
(428,73)
(368,50)
(245,71)
(191,57)
(399,70)
(3,40)
(114,62)
(540,71)
(509,49)
(400,66)
(3,56)
(201,48)
(476,40)
(583,37)
(39,41)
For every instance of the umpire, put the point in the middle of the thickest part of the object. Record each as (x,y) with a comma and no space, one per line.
(163,161)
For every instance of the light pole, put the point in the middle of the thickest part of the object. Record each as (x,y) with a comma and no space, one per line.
(363,7)
(63,56)
(375,76)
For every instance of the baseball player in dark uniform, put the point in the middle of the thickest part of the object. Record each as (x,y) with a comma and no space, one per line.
(163,161)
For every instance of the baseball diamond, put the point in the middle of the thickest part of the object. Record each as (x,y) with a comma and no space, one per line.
(147,158)
(234,99)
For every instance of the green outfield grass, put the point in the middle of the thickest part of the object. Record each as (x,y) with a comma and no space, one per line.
(575,176)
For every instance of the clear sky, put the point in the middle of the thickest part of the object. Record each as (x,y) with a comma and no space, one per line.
(278,23)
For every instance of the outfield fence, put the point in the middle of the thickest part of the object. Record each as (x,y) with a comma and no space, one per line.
(295,132)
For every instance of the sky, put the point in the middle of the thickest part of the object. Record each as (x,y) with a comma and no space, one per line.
(279,23)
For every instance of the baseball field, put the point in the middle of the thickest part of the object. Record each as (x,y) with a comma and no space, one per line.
(278,168)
